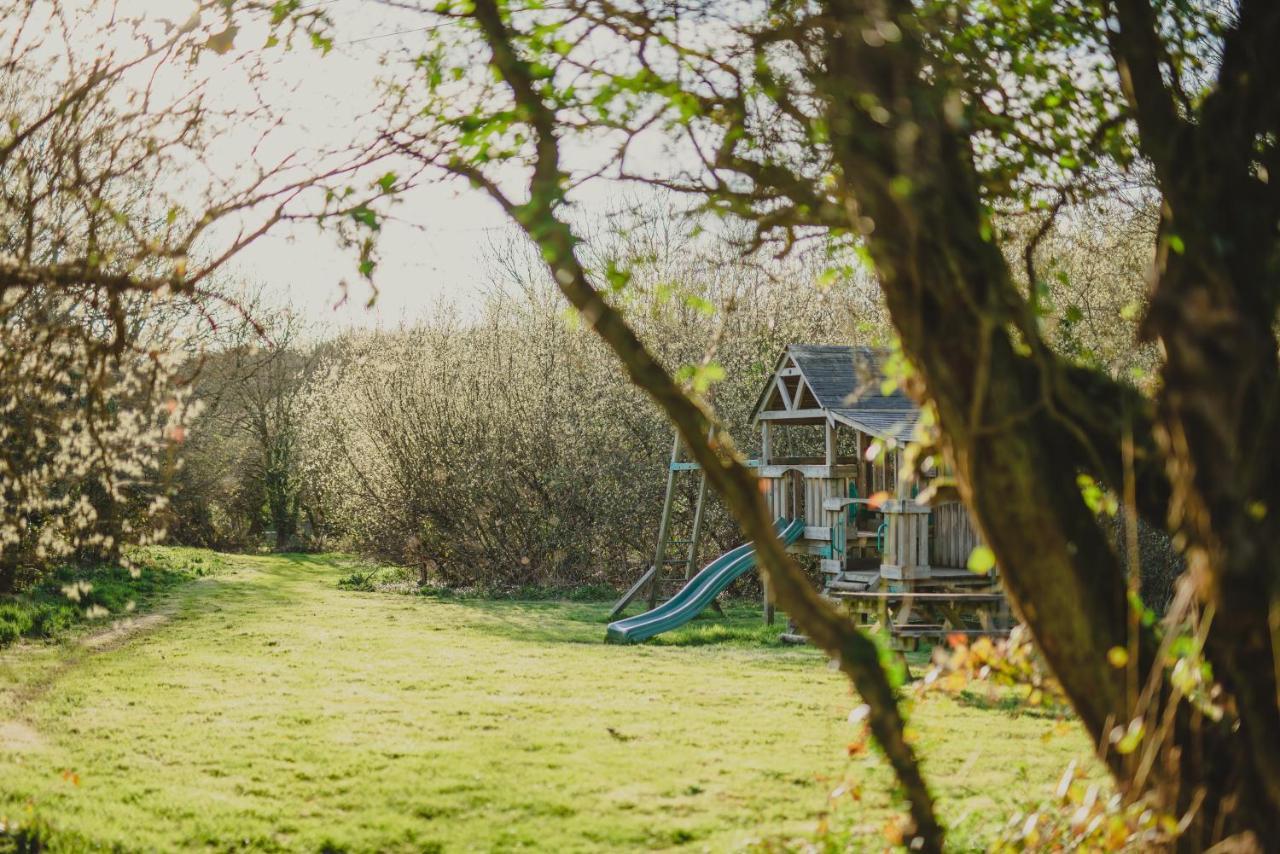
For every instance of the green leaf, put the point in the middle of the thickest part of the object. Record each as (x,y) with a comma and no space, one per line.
(282,10)
(321,42)
(365,217)
(617,276)
(701,377)
(700,305)
(1097,499)
(224,41)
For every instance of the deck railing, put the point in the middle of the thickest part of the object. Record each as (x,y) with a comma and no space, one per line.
(915,538)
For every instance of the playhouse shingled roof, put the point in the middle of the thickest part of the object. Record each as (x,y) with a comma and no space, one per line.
(846,382)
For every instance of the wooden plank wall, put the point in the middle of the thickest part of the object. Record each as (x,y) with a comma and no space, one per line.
(817,490)
(906,543)
(778,497)
(954,536)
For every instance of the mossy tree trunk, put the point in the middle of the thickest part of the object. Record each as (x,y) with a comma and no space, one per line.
(1020,425)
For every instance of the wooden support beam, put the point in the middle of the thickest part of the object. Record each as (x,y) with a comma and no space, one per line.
(664,525)
(793,414)
(691,565)
(786,395)
(632,593)
(813,470)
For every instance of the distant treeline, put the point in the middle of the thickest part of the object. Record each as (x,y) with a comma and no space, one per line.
(499,451)
(506,449)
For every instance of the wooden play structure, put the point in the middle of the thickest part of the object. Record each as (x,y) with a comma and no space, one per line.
(832,438)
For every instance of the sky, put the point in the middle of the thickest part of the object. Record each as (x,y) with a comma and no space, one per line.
(434,248)
(431,251)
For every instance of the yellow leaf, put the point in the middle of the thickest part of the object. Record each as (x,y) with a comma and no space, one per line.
(224,41)
(893,831)
(981,560)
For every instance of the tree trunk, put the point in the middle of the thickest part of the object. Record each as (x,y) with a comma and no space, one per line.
(1019,428)
(284,517)
(8,577)
(830,630)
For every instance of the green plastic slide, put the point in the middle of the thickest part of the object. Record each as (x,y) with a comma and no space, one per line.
(699,593)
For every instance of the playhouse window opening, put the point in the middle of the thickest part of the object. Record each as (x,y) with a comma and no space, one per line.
(799,442)
(849,445)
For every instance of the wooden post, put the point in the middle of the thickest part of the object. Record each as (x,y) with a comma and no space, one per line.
(660,554)
(691,564)
(906,543)
(860,479)
(831,443)
(766,443)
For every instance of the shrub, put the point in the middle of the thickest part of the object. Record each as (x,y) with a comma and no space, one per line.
(47,611)
(15,621)
(50,619)
(359,581)
(8,633)
(510,451)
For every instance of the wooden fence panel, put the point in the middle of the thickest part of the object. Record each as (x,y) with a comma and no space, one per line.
(954,536)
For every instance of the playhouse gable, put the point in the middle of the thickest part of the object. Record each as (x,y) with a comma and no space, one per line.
(815,383)
(788,391)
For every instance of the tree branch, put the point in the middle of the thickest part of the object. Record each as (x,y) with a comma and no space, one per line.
(712,448)
(1136,48)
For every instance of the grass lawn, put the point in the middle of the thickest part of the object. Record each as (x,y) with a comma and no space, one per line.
(265,708)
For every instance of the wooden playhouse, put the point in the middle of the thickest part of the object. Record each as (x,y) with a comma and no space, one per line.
(894,560)
(832,441)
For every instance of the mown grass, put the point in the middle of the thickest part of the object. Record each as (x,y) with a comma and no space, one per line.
(53,608)
(274,710)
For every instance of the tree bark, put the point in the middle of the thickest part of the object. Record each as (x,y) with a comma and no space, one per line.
(1214,301)
(1019,426)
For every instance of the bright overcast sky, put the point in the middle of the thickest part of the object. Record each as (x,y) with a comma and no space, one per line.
(434,248)
(435,253)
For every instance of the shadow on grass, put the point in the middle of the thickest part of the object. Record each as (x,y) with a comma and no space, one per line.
(739,631)
(76,596)
(1009,703)
(547,620)
(584,623)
